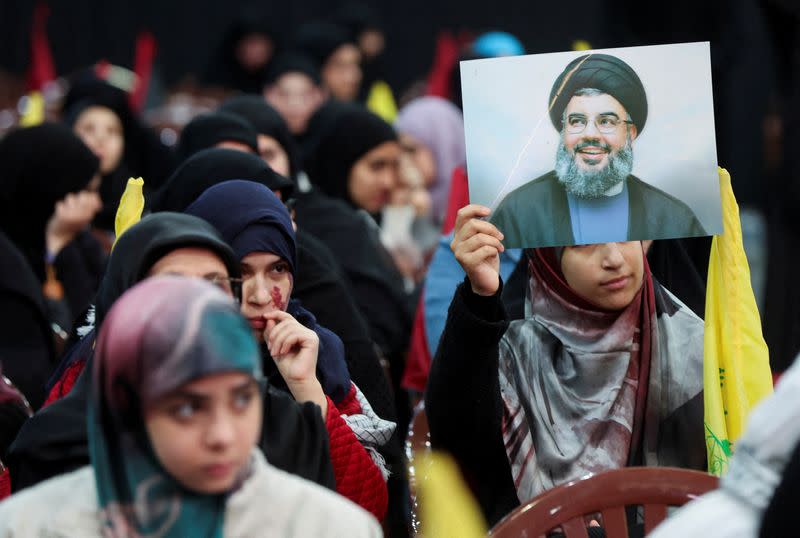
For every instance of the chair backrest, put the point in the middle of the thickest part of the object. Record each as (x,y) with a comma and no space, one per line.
(607,493)
(418,441)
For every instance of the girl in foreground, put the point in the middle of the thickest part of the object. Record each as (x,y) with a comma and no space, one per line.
(604,371)
(173,419)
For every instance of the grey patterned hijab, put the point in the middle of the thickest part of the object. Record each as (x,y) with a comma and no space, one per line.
(586,390)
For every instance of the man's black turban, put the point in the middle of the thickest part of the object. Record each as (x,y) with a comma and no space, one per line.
(605,73)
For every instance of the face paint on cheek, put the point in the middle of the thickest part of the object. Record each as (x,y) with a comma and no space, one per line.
(277,299)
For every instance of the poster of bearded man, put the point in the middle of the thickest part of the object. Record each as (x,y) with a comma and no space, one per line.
(594,146)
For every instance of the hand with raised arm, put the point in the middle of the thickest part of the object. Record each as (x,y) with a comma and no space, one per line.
(477,247)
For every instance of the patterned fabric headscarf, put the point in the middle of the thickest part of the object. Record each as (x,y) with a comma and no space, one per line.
(161,334)
(578,381)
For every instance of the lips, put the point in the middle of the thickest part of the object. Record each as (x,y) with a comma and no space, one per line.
(257,323)
(616,284)
(218,470)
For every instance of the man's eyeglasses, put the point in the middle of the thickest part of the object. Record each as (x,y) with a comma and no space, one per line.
(605,123)
(229,285)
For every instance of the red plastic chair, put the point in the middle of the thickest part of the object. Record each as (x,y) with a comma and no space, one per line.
(606,493)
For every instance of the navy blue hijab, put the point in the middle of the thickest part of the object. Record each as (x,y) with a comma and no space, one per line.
(252,219)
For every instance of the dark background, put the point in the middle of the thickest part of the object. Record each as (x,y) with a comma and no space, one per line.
(755,53)
(188,31)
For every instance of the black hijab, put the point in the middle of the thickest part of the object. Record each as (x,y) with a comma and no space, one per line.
(320,39)
(54,440)
(211,166)
(293,61)
(139,248)
(207,130)
(38,167)
(346,132)
(266,121)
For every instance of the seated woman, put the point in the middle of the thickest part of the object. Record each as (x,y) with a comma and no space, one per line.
(48,197)
(353,167)
(173,419)
(54,440)
(318,282)
(259,229)
(604,371)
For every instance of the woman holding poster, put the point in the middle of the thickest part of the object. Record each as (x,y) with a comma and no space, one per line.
(604,371)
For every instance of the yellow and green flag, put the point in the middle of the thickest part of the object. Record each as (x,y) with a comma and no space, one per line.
(131,205)
(736,372)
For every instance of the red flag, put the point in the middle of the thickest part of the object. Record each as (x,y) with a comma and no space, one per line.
(42,68)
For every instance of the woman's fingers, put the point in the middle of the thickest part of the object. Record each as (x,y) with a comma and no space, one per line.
(471,211)
(477,241)
(477,257)
(475,226)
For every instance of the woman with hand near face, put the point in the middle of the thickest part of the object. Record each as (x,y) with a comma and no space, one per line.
(304,358)
(173,419)
(604,371)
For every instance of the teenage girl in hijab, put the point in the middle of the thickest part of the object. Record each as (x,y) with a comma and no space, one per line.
(259,229)
(247,49)
(604,371)
(48,197)
(319,281)
(101,116)
(353,168)
(334,50)
(54,440)
(293,86)
(173,420)
(275,143)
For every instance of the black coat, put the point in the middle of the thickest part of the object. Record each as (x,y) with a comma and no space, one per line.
(537,214)
(26,340)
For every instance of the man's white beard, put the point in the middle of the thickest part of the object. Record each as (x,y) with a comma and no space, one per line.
(593,183)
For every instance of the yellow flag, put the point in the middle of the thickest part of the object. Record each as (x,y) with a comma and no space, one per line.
(381,101)
(131,205)
(34,113)
(736,372)
(447,507)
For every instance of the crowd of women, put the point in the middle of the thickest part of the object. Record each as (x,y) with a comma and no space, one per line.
(244,359)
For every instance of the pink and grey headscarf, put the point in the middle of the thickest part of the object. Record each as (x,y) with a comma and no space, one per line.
(438,124)
(163,333)
(586,389)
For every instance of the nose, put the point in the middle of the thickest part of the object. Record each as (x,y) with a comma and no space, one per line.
(389,178)
(612,256)
(220,432)
(256,292)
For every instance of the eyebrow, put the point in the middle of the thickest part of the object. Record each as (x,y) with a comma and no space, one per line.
(581,114)
(197,396)
(214,274)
